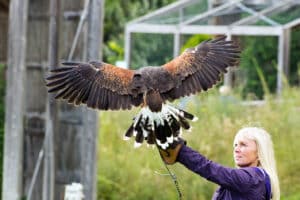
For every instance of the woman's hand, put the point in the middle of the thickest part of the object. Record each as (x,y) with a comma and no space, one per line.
(170,154)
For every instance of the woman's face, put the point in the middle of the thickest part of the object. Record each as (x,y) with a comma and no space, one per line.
(245,153)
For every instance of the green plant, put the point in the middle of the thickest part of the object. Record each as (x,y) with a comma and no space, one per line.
(194,40)
(117,14)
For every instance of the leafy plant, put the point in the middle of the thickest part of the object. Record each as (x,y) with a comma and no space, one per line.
(117,14)
(194,40)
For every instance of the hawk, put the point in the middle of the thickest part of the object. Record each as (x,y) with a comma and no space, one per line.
(106,87)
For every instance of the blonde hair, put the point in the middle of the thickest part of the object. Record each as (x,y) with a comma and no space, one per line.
(265,153)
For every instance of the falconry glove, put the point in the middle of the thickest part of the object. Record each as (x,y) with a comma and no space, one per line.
(169,155)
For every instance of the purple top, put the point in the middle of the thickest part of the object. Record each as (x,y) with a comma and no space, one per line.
(235,183)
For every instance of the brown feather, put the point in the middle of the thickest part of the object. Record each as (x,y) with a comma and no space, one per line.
(200,68)
(97,84)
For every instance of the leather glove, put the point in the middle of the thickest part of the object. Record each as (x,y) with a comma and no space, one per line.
(169,155)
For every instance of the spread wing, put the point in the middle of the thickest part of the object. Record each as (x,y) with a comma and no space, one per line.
(201,67)
(97,84)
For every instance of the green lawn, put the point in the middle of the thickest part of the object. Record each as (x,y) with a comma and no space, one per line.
(128,173)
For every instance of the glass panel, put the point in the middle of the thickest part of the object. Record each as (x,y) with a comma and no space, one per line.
(287,15)
(224,17)
(282,15)
(180,14)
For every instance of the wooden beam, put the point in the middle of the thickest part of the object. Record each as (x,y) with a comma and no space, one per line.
(127,56)
(176,45)
(283,58)
(286,52)
(280,64)
(51,105)
(14,113)
(89,134)
(149,28)
(205,29)
(228,76)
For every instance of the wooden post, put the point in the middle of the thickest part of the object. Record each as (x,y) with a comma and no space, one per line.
(16,75)
(286,51)
(51,107)
(176,44)
(228,75)
(127,57)
(283,57)
(36,98)
(76,139)
(90,122)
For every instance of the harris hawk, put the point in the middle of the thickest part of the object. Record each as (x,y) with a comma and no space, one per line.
(106,87)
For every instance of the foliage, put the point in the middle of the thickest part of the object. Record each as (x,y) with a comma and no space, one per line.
(2,117)
(194,40)
(264,50)
(128,173)
(117,14)
(155,50)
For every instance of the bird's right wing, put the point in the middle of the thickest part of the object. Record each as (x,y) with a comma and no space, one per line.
(97,84)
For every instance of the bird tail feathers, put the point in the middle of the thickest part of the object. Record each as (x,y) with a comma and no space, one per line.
(162,128)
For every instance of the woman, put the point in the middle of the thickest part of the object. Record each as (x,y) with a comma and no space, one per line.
(255,177)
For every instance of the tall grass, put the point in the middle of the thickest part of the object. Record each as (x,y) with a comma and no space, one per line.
(128,173)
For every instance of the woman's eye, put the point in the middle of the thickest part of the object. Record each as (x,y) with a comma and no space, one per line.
(243,144)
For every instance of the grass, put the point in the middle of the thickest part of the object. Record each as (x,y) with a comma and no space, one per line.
(128,173)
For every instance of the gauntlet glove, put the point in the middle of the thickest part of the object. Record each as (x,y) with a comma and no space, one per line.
(170,154)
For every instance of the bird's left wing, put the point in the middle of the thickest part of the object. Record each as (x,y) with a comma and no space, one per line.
(200,68)
(97,84)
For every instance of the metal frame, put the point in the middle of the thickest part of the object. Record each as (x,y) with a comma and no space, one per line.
(238,28)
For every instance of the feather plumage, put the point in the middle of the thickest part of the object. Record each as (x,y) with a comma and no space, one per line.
(106,87)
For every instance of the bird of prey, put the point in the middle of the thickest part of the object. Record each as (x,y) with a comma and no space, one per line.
(106,87)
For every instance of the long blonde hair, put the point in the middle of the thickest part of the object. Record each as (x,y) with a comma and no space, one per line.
(265,153)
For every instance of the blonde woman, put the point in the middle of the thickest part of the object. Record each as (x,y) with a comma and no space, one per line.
(255,175)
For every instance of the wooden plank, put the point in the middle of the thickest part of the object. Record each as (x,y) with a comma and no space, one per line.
(36,63)
(128,47)
(76,139)
(69,127)
(51,105)
(90,121)
(3,36)
(283,57)
(13,147)
(204,29)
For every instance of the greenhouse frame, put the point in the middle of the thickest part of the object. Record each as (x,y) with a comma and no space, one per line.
(231,18)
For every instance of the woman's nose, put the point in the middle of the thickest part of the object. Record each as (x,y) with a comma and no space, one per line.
(236,148)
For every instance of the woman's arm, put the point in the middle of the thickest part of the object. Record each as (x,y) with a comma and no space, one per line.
(236,179)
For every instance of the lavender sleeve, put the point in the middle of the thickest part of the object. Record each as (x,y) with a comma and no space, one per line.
(232,178)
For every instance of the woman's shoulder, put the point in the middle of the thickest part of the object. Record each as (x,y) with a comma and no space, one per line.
(255,174)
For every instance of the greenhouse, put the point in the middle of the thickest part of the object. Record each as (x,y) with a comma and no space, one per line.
(232,18)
